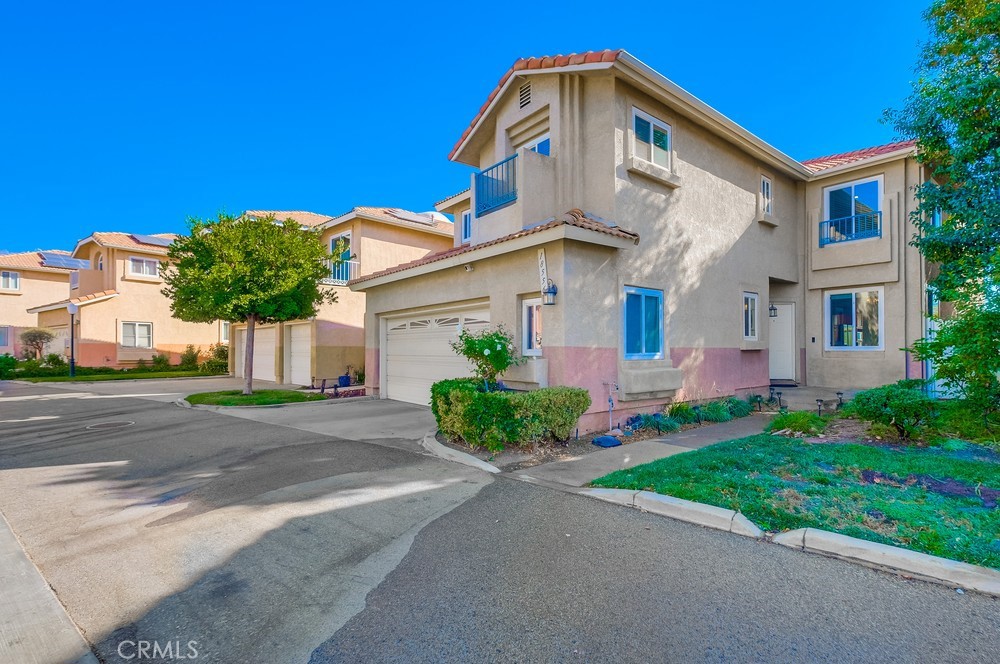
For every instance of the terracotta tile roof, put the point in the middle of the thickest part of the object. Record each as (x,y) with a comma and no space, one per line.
(574,217)
(397,215)
(82,300)
(127,241)
(544,62)
(823,163)
(31,260)
(299,216)
(455,195)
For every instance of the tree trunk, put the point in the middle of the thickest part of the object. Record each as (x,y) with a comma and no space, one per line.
(248,356)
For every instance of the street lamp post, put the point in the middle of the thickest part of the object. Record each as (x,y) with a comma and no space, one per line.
(72,309)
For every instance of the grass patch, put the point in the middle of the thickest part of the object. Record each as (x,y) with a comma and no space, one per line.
(137,375)
(799,421)
(935,500)
(258,398)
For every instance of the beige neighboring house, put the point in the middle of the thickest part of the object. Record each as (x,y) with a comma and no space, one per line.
(28,279)
(122,315)
(306,351)
(689,258)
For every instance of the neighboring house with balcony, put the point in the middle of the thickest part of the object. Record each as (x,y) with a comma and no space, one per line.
(373,239)
(690,259)
(122,317)
(28,279)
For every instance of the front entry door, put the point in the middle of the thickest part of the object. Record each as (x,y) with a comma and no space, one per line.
(781,350)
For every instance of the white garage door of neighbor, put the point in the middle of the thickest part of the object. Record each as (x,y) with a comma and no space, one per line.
(263,353)
(239,349)
(418,353)
(300,354)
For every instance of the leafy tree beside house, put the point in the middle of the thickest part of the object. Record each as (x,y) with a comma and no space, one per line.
(247,270)
(35,339)
(954,114)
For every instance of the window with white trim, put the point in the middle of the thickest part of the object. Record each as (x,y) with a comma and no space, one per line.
(74,279)
(854,319)
(137,335)
(766,196)
(10,280)
(531,327)
(99,261)
(750,302)
(861,197)
(541,145)
(643,323)
(4,336)
(224,332)
(143,267)
(651,139)
(342,270)
(467,226)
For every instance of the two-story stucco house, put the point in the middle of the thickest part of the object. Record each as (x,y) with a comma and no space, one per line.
(305,351)
(122,315)
(28,279)
(684,257)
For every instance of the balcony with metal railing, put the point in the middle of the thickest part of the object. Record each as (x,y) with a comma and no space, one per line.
(342,272)
(846,229)
(496,186)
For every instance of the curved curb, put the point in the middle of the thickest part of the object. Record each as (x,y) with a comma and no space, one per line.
(700,514)
(893,558)
(433,447)
(184,403)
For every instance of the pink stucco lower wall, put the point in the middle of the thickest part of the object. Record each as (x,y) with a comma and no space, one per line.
(710,373)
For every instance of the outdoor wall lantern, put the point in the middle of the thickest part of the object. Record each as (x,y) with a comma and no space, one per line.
(772,311)
(549,294)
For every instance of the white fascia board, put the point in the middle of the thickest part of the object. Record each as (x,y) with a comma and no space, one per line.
(62,305)
(429,228)
(460,197)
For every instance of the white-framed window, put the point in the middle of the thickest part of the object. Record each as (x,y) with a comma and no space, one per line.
(342,270)
(766,196)
(750,310)
(4,336)
(74,279)
(541,145)
(531,327)
(850,199)
(137,335)
(10,280)
(224,331)
(854,318)
(100,262)
(643,323)
(651,139)
(143,267)
(467,226)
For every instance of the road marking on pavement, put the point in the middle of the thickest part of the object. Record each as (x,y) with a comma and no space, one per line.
(31,419)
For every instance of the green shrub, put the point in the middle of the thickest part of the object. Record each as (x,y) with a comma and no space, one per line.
(190,357)
(900,405)
(491,352)
(739,407)
(161,362)
(556,409)
(218,359)
(716,411)
(7,365)
(141,365)
(799,421)
(55,360)
(683,413)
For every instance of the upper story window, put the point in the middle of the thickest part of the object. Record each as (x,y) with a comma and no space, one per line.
(137,335)
(853,211)
(342,271)
(143,267)
(541,145)
(936,218)
(224,332)
(74,280)
(100,262)
(643,323)
(766,196)
(531,327)
(652,139)
(750,301)
(466,226)
(854,319)
(10,280)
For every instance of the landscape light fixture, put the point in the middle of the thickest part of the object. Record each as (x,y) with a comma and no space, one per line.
(778,394)
(819,407)
(760,404)
(840,399)
(72,309)
(772,311)
(549,294)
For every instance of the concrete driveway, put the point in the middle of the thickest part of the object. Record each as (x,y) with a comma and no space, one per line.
(257,541)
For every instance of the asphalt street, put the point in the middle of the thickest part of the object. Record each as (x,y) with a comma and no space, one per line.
(273,539)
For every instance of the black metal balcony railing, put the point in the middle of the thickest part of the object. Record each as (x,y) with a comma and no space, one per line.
(845,229)
(496,186)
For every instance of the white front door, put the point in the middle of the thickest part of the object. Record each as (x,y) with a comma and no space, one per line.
(781,349)
(300,354)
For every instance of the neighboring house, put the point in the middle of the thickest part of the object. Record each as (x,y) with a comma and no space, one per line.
(303,351)
(123,317)
(29,279)
(691,259)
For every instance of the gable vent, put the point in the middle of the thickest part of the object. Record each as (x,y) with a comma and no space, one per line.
(525,95)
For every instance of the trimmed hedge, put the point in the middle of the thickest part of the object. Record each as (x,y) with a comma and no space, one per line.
(496,419)
(901,405)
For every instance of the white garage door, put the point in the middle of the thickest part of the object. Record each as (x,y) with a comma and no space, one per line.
(239,349)
(300,354)
(263,353)
(418,353)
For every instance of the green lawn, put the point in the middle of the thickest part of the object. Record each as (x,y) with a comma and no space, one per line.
(935,500)
(258,398)
(128,375)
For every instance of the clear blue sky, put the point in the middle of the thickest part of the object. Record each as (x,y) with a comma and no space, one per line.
(135,116)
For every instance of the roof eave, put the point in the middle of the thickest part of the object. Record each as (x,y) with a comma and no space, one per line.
(902,153)
(354,214)
(62,305)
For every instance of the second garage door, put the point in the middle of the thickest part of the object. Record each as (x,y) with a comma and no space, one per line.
(263,353)
(418,352)
(300,354)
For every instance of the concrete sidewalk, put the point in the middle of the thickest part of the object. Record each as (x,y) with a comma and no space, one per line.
(580,470)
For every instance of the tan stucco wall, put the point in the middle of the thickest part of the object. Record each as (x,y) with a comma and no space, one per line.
(36,288)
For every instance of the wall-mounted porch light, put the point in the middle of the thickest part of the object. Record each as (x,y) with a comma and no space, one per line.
(549,294)
(772,311)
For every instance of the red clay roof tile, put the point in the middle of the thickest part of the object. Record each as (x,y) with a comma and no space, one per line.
(822,163)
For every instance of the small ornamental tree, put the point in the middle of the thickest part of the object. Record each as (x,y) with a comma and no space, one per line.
(35,340)
(247,270)
(491,352)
